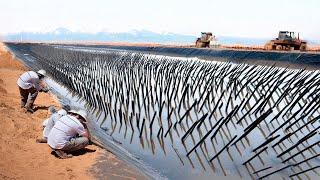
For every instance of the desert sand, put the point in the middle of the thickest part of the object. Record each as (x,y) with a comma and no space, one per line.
(22,158)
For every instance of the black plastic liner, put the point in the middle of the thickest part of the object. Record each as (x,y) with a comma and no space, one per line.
(214,54)
(224,54)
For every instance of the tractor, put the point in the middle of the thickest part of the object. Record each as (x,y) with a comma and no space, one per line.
(286,41)
(204,40)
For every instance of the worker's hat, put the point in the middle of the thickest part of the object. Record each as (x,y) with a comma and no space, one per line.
(62,112)
(41,72)
(82,113)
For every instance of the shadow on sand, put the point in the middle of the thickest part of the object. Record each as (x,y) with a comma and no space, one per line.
(77,153)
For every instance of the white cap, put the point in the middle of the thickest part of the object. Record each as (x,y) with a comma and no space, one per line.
(82,113)
(42,72)
(62,112)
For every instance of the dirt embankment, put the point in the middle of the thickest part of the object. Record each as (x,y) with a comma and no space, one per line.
(22,158)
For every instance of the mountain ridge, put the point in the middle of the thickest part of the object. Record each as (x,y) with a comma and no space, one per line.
(137,36)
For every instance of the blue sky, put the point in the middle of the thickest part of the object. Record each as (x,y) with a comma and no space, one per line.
(242,18)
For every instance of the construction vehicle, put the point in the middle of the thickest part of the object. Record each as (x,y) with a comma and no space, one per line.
(286,41)
(204,40)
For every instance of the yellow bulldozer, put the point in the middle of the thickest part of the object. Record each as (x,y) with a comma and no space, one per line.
(286,41)
(204,40)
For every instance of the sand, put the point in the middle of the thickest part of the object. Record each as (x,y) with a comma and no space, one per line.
(22,158)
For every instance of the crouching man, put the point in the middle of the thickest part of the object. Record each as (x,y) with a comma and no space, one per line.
(49,123)
(69,134)
(30,83)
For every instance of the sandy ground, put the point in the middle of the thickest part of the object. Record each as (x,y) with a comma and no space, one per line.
(22,158)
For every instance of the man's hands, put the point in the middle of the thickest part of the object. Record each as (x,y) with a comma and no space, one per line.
(43,87)
(45,90)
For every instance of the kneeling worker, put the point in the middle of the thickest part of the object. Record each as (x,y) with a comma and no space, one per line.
(30,83)
(69,134)
(49,123)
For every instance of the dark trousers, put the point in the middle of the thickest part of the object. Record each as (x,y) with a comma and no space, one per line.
(28,96)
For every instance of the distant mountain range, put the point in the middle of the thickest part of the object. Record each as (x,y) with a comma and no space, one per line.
(145,36)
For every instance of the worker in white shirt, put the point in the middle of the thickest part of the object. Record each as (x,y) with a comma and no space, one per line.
(69,134)
(49,123)
(30,83)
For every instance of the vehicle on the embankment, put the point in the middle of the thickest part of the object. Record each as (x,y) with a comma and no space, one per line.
(287,41)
